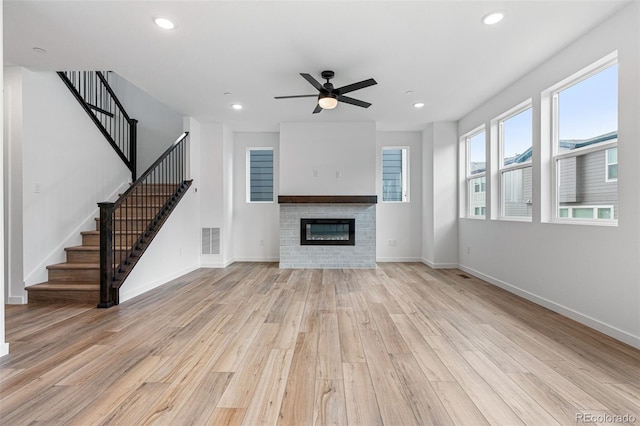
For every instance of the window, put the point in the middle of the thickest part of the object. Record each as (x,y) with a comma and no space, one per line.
(612,165)
(476,177)
(395,174)
(585,145)
(515,136)
(260,175)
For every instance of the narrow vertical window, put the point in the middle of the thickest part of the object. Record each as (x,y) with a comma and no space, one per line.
(515,136)
(476,174)
(612,165)
(395,174)
(260,175)
(585,145)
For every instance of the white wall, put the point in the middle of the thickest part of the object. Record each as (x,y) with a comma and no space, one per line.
(256,234)
(158,125)
(68,168)
(12,162)
(4,347)
(589,273)
(174,251)
(327,158)
(399,225)
(440,203)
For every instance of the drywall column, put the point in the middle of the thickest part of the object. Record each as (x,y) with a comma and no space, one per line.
(216,180)
(4,347)
(439,205)
(12,172)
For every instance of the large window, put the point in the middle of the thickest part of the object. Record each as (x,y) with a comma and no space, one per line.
(395,184)
(515,136)
(585,141)
(476,166)
(260,175)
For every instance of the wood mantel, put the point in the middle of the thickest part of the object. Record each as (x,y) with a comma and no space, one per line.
(327,199)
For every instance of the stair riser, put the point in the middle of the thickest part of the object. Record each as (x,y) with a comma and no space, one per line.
(92,256)
(61,296)
(121,240)
(74,275)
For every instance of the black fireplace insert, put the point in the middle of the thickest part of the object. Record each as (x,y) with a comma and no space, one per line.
(328,232)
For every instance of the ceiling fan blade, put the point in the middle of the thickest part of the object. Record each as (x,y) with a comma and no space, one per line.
(357,102)
(312,80)
(317,109)
(296,96)
(355,86)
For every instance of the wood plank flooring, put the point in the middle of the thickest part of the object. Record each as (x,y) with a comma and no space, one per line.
(253,344)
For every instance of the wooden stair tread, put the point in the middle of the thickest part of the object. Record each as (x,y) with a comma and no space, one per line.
(117,232)
(92,248)
(66,265)
(57,286)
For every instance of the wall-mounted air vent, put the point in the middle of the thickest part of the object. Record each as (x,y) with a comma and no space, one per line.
(210,240)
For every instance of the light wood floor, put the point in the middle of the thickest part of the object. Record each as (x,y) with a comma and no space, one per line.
(253,344)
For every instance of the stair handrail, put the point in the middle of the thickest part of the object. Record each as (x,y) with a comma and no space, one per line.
(92,90)
(163,183)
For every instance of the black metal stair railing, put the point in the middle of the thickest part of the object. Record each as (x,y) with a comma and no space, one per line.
(128,225)
(92,90)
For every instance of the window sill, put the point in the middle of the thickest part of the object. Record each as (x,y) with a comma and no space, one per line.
(609,223)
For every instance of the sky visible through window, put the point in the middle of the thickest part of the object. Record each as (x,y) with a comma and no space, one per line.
(590,107)
(477,152)
(518,134)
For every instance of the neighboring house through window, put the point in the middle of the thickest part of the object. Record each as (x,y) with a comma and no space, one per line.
(585,144)
(515,137)
(476,173)
(259,175)
(395,177)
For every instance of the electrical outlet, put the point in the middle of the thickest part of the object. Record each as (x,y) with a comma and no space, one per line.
(262,243)
(468,249)
(338,174)
(315,173)
(37,188)
(393,243)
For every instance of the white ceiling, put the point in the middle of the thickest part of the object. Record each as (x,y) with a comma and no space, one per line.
(439,50)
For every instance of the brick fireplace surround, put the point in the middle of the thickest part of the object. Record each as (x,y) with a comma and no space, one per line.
(362,208)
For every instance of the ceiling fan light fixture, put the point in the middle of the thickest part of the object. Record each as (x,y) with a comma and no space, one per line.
(327,101)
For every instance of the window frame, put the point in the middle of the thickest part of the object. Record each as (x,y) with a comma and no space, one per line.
(469,177)
(607,164)
(248,175)
(586,73)
(502,169)
(405,173)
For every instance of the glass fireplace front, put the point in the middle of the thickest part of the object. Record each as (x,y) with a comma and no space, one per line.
(328,232)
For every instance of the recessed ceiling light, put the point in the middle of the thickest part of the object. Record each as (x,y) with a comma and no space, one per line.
(492,18)
(237,107)
(418,105)
(39,50)
(164,22)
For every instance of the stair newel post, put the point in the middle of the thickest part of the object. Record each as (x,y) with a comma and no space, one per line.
(133,147)
(107,292)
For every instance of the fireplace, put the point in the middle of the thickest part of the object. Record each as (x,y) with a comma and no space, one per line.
(327,232)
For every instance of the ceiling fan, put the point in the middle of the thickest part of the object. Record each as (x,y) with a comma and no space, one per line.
(329,96)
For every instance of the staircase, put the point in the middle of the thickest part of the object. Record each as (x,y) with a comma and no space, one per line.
(95,271)
(78,279)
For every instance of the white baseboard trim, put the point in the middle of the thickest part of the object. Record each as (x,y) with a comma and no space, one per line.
(257,259)
(598,325)
(433,265)
(4,349)
(216,264)
(398,259)
(128,295)
(17,300)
